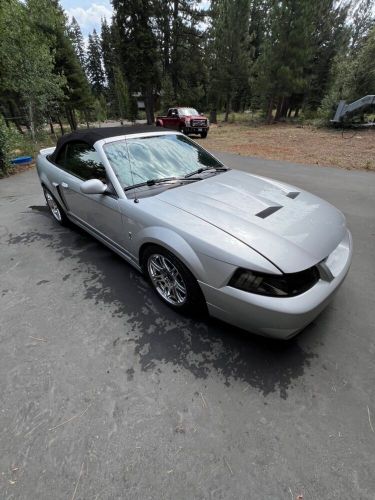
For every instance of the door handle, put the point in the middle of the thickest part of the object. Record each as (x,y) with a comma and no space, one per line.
(64,185)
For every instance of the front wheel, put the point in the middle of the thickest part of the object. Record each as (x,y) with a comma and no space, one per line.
(173,281)
(204,135)
(57,212)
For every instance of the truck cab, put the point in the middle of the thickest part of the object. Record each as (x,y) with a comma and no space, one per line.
(186,120)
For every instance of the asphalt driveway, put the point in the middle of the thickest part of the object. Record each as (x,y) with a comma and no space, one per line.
(105,393)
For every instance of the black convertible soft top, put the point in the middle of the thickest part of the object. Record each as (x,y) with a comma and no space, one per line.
(91,135)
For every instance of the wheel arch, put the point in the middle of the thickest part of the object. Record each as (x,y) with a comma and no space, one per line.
(174,243)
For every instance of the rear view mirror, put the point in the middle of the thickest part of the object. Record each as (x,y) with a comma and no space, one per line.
(93,186)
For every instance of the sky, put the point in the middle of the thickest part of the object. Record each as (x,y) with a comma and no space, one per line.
(89,13)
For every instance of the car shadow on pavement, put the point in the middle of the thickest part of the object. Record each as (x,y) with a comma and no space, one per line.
(158,334)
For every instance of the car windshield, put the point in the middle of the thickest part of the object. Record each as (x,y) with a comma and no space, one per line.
(157,157)
(188,112)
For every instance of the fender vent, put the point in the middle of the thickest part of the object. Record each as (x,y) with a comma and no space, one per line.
(293,194)
(268,211)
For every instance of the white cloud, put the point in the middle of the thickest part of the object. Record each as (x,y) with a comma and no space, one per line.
(90,18)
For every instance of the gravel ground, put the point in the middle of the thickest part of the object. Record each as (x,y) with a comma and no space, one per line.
(353,149)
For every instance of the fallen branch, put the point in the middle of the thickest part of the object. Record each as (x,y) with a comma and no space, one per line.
(70,419)
(77,483)
(369,419)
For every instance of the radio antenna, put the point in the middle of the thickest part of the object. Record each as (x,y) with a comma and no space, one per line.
(131,171)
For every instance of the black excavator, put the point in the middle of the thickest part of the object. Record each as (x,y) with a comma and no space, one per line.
(345,113)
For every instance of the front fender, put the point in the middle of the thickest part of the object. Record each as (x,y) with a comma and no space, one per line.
(173,242)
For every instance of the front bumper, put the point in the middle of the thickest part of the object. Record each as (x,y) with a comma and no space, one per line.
(279,317)
(195,130)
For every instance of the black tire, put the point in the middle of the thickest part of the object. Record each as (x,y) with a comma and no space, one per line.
(55,208)
(204,135)
(194,303)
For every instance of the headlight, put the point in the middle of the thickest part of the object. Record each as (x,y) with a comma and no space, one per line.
(283,285)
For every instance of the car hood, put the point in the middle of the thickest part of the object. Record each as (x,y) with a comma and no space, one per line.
(290,227)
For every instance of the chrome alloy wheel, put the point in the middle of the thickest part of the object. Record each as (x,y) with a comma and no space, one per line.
(53,206)
(167,279)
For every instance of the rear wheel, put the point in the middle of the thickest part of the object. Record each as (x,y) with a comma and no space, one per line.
(173,281)
(55,208)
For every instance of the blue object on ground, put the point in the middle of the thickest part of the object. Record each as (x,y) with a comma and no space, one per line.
(20,160)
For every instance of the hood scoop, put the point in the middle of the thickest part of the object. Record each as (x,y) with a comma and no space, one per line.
(268,211)
(293,194)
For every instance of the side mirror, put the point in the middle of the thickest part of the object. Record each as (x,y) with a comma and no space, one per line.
(93,186)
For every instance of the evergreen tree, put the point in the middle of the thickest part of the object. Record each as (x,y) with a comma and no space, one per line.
(285,53)
(121,93)
(229,48)
(137,46)
(181,43)
(77,40)
(330,35)
(94,64)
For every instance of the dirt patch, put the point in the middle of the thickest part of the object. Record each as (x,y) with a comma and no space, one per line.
(309,145)
(17,169)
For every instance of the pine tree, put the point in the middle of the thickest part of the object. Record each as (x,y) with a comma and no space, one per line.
(121,93)
(229,51)
(181,43)
(77,40)
(137,46)
(285,54)
(94,64)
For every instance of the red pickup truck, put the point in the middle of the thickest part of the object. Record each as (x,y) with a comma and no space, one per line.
(186,120)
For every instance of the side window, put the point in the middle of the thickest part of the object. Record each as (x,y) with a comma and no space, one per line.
(84,162)
(60,160)
(170,111)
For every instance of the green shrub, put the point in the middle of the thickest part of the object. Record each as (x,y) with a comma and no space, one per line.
(6,145)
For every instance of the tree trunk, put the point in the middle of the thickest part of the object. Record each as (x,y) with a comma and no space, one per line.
(296,113)
(174,48)
(280,103)
(213,116)
(71,118)
(51,128)
(284,107)
(149,105)
(31,118)
(227,108)
(14,112)
(270,110)
(61,125)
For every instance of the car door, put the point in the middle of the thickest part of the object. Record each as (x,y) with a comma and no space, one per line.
(98,212)
(172,119)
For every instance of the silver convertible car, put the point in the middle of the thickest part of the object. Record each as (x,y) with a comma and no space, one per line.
(253,252)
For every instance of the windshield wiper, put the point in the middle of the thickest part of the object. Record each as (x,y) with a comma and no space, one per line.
(152,182)
(200,170)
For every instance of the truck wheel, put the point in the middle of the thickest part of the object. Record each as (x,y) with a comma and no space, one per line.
(204,135)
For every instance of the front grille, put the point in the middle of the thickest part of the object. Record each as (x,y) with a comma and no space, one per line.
(198,123)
